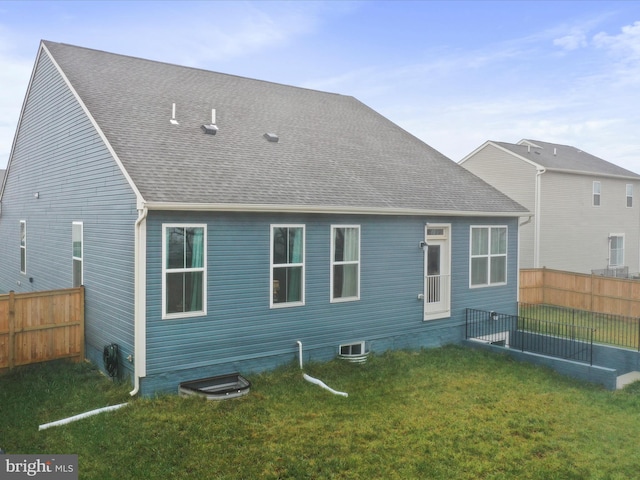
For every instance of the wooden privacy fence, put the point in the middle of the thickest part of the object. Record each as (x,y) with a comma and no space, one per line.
(41,326)
(616,296)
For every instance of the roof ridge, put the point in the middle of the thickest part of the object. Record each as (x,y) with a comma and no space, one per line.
(189,67)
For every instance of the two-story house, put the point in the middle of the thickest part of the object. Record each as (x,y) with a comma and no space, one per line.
(586,211)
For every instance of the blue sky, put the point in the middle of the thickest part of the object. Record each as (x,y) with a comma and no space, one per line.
(455,74)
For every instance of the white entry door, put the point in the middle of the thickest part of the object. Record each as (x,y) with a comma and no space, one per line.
(437,275)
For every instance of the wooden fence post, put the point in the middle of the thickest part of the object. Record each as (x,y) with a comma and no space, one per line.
(12,329)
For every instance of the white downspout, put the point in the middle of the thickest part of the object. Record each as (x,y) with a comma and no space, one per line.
(140,309)
(300,352)
(315,380)
(526,222)
(536,239)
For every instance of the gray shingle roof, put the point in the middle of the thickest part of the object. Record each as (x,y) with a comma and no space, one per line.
(333,151)
(565,157)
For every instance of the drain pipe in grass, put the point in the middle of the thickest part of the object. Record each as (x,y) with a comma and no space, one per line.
(315,381)
(81,416)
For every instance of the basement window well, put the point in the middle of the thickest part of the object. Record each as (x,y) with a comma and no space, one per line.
(222,387)
(353,352)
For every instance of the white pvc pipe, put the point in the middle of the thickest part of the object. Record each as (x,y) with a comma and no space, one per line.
(81,416)
(300,352)
(323,385)
(315,380)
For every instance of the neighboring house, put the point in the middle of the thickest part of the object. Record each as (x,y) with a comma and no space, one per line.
(586,210)
(215,220)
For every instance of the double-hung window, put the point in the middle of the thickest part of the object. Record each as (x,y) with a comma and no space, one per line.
(184,272)
(596,193)
(629,195)
(77,255)
(616,250)
(488,262)
(287,265)
(23,246)
(345,263)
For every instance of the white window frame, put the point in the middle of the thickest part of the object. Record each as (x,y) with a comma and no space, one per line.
(488,256)
(75,258)
(596,193)
(302,264)
(333,263)
(165,270)
(23,246)
(629,191)
(349,347)
(611,236)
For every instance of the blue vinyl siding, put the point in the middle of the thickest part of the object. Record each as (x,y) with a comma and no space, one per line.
(241,333)
(59,154)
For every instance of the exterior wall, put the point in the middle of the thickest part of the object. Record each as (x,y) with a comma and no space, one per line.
(516,179)
(240,333)
(575,237)
(59,155)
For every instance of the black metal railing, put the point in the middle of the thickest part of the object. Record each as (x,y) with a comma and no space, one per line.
(571,342)
(609,329)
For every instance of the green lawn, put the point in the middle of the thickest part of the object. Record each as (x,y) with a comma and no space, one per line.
(600,327)
(444,413)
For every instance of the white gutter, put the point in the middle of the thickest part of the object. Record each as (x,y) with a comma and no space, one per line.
(249,207)
(140,309)
(526,222)
(536,238)
(591,174)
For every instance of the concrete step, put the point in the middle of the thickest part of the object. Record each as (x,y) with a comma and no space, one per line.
(626,379)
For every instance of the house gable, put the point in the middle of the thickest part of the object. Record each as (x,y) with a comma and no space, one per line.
(60,172)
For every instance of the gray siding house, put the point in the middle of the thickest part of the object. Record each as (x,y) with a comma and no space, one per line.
(215,221)
(586,210)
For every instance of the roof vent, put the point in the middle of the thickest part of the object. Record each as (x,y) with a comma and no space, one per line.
(173,116)
(272,137)
(211,128)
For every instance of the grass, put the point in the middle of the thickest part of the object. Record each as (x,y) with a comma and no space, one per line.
(444,413)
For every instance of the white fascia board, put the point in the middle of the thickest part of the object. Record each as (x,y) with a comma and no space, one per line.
(232,207)
(593,174)
(506,150)
(95,125)
(524,159)
(474,152)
